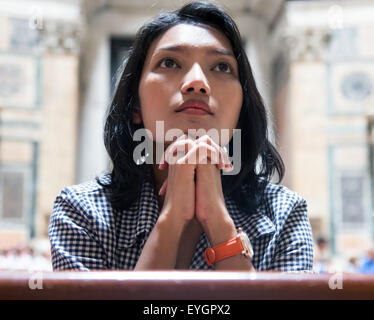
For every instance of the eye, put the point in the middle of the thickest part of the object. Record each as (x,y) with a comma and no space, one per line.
(223,67)
(168,63)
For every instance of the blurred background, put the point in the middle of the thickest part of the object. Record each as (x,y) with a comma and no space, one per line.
(314,65)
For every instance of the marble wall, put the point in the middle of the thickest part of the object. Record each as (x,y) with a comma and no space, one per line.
(325,114)
(39,97)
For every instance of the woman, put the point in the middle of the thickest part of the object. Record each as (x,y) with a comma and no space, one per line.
(173,212)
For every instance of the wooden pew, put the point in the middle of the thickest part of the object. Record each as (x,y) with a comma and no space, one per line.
(187,285)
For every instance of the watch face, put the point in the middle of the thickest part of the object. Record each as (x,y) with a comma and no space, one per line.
(246,245)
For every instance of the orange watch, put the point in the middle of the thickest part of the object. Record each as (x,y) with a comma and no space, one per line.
(238,245)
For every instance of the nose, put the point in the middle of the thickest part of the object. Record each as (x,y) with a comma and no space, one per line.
(195,81)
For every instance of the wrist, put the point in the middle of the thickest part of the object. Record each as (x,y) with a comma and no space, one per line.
(170,222)
(220,231)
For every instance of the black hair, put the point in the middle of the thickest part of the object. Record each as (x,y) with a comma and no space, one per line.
(259,158)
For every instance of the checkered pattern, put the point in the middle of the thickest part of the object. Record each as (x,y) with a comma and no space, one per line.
(86,233)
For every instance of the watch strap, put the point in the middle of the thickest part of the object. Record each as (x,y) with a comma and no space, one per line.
(223,250)
(228,249)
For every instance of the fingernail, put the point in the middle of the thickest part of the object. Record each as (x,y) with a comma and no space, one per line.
(229,167)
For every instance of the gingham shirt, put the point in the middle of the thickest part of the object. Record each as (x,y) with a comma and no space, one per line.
(85,233)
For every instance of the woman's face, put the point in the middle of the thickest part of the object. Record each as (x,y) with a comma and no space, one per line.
(190,64)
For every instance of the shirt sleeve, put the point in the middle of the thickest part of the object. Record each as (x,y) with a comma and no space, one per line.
(74,244)
(294,251)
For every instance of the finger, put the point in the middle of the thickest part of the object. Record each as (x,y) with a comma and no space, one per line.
(199,154)
(190,157)
(182,147)
(224,161)
(163,188)
(207,153)
(223,153)
(217,157)
(164,161)
(179,150)
(214,153)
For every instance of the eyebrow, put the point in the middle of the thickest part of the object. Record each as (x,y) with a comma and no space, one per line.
(210,51)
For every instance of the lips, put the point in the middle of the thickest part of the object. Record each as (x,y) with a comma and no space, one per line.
(194,104)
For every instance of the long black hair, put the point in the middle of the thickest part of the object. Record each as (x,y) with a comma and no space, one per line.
(259,158)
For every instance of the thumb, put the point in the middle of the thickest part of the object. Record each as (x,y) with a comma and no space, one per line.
(163,188)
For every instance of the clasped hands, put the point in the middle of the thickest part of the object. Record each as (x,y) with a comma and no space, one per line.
(193,188)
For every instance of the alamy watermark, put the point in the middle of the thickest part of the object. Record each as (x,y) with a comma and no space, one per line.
(35,280)
(336,17)
(36,19)
(146,147)
(336,280)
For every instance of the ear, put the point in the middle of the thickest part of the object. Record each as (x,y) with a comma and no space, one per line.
(137,116)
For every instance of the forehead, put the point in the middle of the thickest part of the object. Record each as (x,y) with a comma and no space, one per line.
(192,36)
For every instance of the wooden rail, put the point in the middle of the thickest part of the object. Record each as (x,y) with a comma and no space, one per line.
(176,285)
